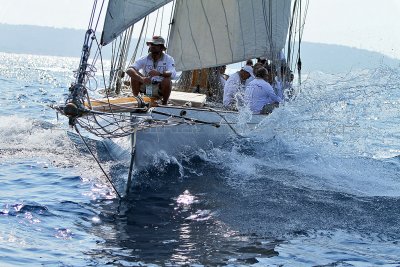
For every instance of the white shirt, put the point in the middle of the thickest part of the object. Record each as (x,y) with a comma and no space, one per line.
(248,81)
(146,64)
(232,87)
(260,93)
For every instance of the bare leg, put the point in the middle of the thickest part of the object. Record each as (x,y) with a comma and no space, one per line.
(166,87)
(135,86)
(136,80)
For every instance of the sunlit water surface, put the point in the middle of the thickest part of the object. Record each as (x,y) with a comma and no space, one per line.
(317,184)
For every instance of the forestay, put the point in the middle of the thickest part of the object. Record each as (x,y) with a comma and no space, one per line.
(209,33)
(121,14)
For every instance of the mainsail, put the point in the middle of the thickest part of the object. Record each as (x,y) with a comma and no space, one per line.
(209,33)
(121,14)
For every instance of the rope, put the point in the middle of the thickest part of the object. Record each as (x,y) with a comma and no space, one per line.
(299,48)
(203,122)
(162,18)
(185,118)
(91,152)
(98,18)
(102,70)
(291,32)
(155,24)
(115,127)
(171,21)
(122,55)
(138,43)
(228,123)
(92,15)
(145,35)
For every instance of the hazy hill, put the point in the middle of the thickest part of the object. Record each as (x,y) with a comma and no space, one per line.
(68,42)
(40,40)
(336,58)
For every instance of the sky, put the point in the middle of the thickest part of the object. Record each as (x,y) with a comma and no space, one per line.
(364,24)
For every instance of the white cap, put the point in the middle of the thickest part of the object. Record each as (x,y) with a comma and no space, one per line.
(248,69)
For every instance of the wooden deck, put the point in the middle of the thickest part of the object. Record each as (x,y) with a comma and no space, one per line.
(126,104)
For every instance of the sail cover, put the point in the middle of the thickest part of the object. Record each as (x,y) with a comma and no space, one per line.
(121,14)
(209,33)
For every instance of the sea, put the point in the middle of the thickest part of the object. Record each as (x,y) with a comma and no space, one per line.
(317,183)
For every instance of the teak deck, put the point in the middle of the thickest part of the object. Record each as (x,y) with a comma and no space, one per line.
(125,104)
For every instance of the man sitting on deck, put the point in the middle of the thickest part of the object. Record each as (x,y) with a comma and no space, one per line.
(259,95)
(236,84)
(158,69)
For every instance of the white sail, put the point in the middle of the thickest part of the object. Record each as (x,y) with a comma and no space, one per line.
(121,14)
(209,33)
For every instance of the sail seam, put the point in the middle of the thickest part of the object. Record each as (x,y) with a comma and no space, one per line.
(268,27)
(181,56)
(227,29)
(241,29)
(212,36)
(265,23)
(191,33)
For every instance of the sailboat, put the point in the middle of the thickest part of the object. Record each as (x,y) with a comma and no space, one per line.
(201,34)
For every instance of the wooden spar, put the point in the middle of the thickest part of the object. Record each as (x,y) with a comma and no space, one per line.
(120,104)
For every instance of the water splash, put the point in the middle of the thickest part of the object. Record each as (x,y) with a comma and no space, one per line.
(336,136)
(42,141)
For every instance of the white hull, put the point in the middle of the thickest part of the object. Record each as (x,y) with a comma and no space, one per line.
(175,139)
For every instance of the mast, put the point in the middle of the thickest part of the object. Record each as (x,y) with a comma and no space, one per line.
(74,104)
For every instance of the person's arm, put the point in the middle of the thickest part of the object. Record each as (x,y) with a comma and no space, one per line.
(137,76)
(272,95)
(134,73)
(170,71)
(276,98)
(164,74)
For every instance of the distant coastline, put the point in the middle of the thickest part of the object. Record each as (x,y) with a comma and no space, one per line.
(26,39)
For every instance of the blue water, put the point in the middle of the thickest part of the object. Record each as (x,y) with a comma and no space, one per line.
(317,184)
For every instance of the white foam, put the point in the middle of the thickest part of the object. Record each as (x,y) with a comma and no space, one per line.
(23,138)
(335,136)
